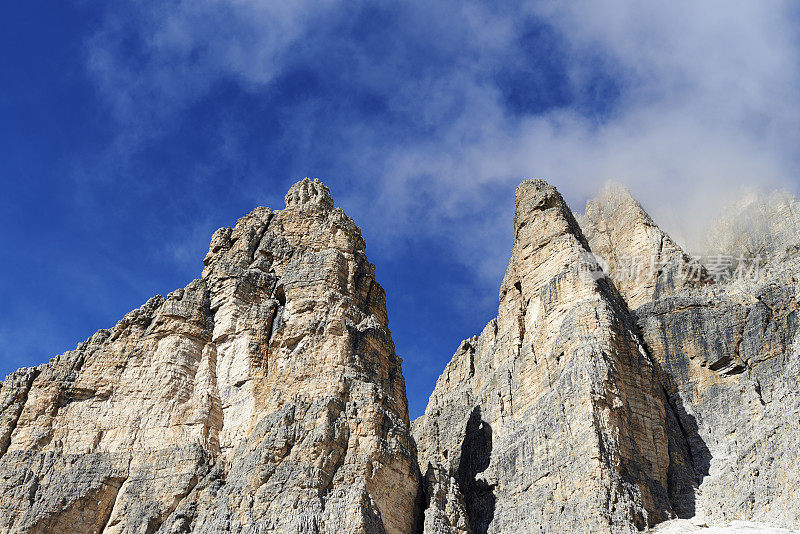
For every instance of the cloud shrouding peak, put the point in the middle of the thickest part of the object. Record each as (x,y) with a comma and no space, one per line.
(434,111)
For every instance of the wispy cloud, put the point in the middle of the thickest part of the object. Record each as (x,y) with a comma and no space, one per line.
(151,59)
(682,101)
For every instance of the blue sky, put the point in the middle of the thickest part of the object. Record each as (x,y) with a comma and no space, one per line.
(132,130)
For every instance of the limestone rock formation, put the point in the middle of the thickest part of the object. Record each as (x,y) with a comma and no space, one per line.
(642,260)
(264,397)
(730,360)
(267,395)
(571,413)
(554,417)
(766,226)
(731,357)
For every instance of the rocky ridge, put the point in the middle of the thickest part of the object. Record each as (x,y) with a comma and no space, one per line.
(267,396)
(644,263)
(730,358)
(554,417)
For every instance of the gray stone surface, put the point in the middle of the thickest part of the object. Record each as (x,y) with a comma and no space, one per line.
(264,397)
(553,419)
(729,356)
(732,358)
(267,396)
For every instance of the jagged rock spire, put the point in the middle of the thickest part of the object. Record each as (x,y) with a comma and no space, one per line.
(266,396)
(553,417)
(642,260)
(308,191)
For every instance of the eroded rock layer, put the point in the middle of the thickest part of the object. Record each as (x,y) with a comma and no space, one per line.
(264,397)
(730,357)
(553,419)
(643,261)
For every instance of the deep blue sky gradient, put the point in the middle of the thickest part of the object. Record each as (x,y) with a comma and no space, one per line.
(111,193)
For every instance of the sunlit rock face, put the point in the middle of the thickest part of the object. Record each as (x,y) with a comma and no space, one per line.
(267,396)
(264,397)
(571,413)
(644,263)
(553,417)
(729,354)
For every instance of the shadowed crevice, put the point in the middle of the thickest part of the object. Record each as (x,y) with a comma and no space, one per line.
(476,453)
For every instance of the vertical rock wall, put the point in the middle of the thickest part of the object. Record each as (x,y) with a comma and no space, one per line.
(729,355)
(264,397)
(553,418)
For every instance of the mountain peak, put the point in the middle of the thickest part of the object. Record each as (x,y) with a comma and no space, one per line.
(615,196)
(309,192)
(643,261)
(275,373)
(499,407)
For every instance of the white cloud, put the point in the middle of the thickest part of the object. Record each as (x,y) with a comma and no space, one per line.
(151,59)
(709,101)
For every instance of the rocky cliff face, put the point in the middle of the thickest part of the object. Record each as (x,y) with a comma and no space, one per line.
(730,360)
(554,417)
(267,396)
(264,397)
(644,263)
(571,413)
